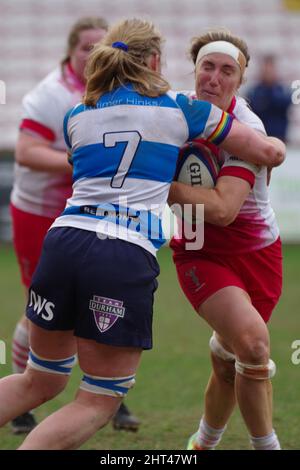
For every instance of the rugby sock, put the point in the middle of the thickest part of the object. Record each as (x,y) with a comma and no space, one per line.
(208,437)
(269,442)
(20,349)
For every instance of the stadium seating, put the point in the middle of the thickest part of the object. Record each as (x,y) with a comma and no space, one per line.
(34,36)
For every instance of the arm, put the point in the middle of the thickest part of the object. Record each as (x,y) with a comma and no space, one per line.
(253,146)
(270,167)
(35,153)
(221,203)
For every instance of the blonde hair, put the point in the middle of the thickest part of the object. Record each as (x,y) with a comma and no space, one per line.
(218,35)
(89,22)
(110,67)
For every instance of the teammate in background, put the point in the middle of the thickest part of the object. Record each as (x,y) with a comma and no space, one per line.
(43,178)
(239,268)
(92,292)
(270,99)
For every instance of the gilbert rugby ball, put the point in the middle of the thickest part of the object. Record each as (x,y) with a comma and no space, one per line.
(197,166)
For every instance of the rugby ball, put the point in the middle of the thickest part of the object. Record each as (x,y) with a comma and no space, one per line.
(197,166)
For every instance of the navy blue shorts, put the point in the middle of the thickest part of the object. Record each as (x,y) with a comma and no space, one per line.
(101,289)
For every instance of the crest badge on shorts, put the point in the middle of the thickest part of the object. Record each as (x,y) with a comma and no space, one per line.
(106,311)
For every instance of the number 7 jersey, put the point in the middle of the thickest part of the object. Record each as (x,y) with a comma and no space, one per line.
(124,152)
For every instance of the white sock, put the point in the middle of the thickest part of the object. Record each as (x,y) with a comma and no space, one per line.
(208,437)
(269,442)
(20,349)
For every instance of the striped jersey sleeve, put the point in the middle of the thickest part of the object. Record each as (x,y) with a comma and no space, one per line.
(41,114)
(205,120)
(234,166)
(66,135)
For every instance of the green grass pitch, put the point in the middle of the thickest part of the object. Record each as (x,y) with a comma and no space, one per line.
(170,382)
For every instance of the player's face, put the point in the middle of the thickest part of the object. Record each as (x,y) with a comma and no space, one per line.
(218,77)
(80,53)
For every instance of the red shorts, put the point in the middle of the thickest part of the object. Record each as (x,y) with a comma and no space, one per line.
(259,273)
(29,231)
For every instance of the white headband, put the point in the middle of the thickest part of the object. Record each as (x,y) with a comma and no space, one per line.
(223,47)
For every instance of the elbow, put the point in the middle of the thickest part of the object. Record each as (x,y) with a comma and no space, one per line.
(21,156)
(280,157)
(223,218)
(275,154)
(224,221)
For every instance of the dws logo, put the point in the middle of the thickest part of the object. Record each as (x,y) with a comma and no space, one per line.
(41,305)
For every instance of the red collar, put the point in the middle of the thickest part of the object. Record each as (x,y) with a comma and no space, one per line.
(72,80)
(231,106)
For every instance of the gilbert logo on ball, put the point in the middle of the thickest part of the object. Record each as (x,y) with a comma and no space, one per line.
(197,166)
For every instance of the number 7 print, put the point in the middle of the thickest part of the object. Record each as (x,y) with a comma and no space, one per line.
(133,139)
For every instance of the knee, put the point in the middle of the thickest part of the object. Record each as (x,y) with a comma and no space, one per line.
(224,370)
(222,360)
(104,394)
(109,411)
(53,387)
(101,408)
(49,376)
(48,385)
(253,349)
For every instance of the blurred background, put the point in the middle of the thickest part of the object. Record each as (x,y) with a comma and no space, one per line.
(34,34)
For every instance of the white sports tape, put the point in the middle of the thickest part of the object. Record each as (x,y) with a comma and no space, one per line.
(112,386)
(52,366)
(223,47)
(256,372)
(219,350)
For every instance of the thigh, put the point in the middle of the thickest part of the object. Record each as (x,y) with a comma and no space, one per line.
(115,292)
(107,361)
(29,231)
(203,277)
(231,314)
(49,346)
(262,273)
(52,345)
(51,303)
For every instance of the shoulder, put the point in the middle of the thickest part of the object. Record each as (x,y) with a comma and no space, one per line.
(244,114)
(50,91)
(175,97)
(189,93)
(47,104)
(188,103)
(77,109)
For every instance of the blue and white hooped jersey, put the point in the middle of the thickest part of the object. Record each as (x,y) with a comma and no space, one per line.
(124,152)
